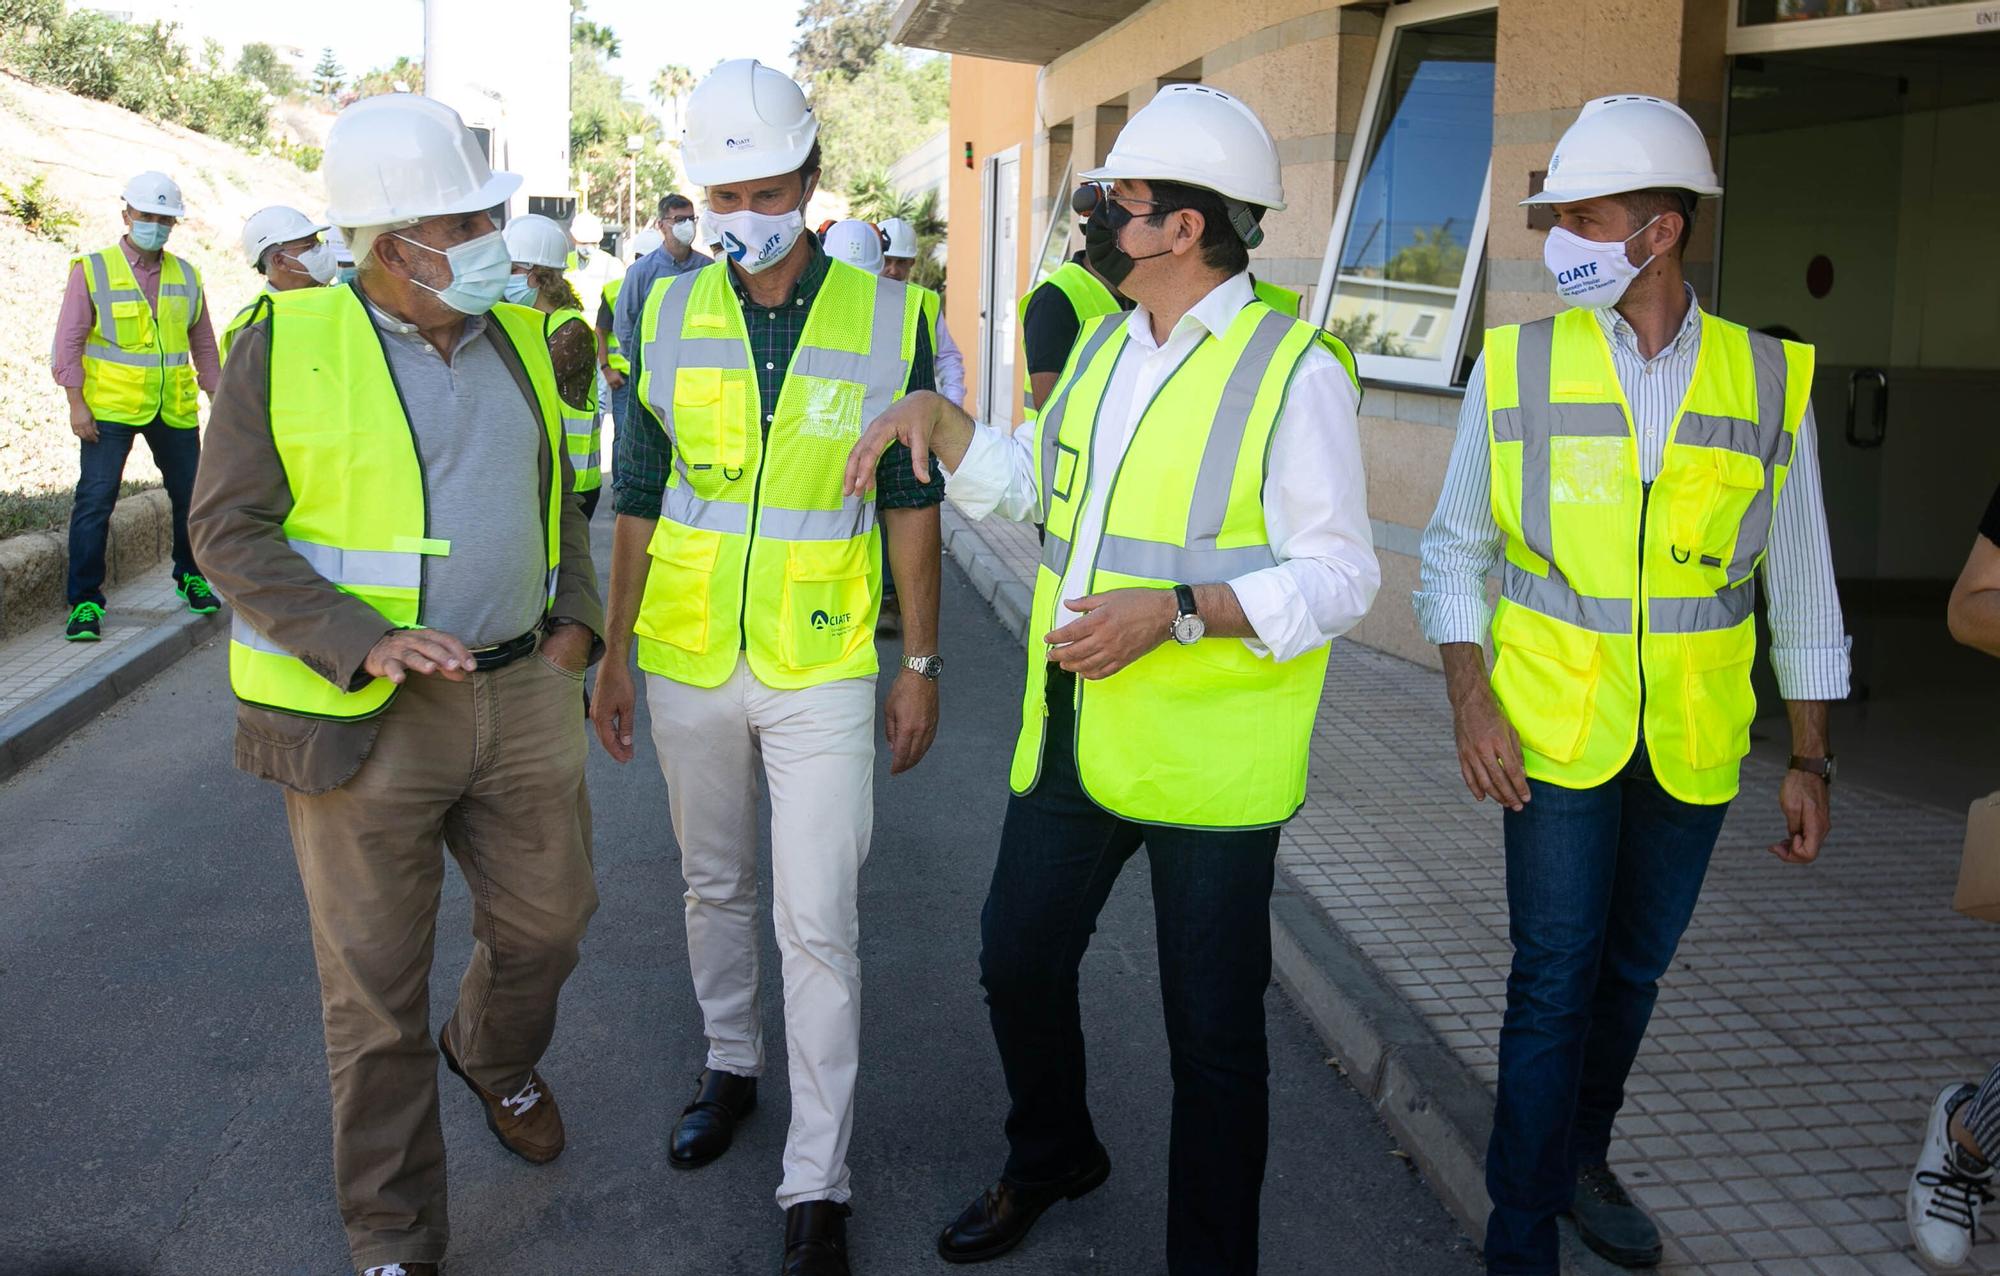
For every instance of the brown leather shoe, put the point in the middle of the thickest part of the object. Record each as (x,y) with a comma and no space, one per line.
(527,1124)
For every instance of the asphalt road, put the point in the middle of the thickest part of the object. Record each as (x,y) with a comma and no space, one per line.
(163,1104)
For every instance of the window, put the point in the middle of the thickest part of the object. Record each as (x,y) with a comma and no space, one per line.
(1777,26)
(1409,237)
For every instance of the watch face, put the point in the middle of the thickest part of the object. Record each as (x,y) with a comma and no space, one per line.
(1188,629)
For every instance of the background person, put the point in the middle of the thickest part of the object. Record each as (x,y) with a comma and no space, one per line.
(283,245)
(899,258)
(538,246)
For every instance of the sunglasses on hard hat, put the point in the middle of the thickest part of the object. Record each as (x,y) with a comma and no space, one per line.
(1090,196)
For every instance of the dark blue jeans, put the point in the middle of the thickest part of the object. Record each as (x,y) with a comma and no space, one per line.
(1059,855)
(1601,884)
(101,469)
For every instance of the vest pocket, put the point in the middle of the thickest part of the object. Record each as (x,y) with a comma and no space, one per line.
(134,322)
(675,607)
(708,418)
(1712,492)
(828,613)
(1717,696)
(1546,677)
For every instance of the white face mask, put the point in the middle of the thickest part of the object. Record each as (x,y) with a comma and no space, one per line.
(318,262)
(1591,273)
(684,231)
(758,241)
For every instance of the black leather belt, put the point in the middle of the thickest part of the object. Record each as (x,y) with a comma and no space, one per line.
(502,654)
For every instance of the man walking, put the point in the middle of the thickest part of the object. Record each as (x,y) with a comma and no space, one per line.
(133,346)
(751,581)
(389,511)
(623,298)
(1629,465)
(1198,468)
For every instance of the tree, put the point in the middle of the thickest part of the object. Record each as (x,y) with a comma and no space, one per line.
(841,36)
(670,89)
(400,76)
(1359,335)
(328,75)
(260,62)
(1431,257)
(871,120)
(873,199)
(601,120)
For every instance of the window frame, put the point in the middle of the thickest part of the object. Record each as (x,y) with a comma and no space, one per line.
(1439,373)
(1965,18)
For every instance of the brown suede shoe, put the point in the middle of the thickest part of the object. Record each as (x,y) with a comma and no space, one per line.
(527,1124)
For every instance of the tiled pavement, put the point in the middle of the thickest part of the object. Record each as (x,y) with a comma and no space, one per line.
(1809,1019)
(38,660)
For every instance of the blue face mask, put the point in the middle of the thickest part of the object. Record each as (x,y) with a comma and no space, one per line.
(480,269)
(151,236)
(344,275)
(520,290)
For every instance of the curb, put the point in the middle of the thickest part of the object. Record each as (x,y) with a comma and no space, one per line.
(46,721)
(1438,1111)
(33,564)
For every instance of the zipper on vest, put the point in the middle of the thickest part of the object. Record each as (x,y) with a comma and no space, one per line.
(1639,606)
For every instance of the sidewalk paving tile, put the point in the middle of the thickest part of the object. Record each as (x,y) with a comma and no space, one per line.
(39,660)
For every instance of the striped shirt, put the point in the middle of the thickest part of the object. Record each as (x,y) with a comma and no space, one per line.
(1809,645)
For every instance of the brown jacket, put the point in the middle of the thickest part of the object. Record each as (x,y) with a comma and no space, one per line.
(241,498)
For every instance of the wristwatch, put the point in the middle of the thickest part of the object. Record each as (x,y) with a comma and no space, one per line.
(1821,767)
(929,666)
(1188,626)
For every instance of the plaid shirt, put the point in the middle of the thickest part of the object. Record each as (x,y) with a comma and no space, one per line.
(644,455)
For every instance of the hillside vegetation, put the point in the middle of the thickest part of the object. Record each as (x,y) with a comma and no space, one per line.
(85,151)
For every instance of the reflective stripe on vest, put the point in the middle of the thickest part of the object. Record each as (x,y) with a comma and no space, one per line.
(358,515)
(581,426)
(1626,610)
(136,362)
(1184,506)
(612,354)
(757,550)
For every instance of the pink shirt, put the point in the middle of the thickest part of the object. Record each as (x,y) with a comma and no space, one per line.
(73,324)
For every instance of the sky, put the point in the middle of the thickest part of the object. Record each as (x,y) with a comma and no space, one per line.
(372,33)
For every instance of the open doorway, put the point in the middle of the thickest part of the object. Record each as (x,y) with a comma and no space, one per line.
(1861,193)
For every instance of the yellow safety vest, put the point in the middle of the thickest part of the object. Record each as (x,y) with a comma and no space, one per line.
(580,424)
(1626,608)
(1087,296)
(136,364)
(241,321)
(358,513)
(612,356)
(1207,735)
(933,304)
(756,550)
(1279,298)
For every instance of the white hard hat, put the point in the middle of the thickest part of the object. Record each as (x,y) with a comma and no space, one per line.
(646,241)
(857,244)
(341,255)
(1629,142)
(277,224)
(1198,136)
(902,238)
(397,158)
(535,240)
(586,228)
(154,193)
(744,121)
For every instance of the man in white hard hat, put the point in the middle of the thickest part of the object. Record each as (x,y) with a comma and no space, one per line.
(283,245)
(857,243)
(1629,467)
(390,510)
(1052,315)
(899,258)
(539,247)
(133,347)
(751,582)
(618,312)
(1198,469)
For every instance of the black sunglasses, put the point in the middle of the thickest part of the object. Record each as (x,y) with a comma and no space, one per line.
(1087,198)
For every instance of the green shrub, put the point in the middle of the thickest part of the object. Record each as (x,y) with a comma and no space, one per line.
(39,211)
(144,69)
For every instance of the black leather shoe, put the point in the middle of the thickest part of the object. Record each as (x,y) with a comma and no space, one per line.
(1001,1217)
(816,1239)
(1612,1223)
(709,1123)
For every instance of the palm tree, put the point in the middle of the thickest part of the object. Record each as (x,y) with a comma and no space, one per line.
(871,198)
(670,89)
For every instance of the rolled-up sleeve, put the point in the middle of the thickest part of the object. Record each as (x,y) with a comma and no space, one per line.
(1809,647)
(1316,516)
(1462,542)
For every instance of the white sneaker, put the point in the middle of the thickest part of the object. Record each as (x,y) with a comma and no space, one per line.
(1945,1196)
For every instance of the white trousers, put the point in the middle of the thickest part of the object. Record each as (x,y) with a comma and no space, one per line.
(818,751)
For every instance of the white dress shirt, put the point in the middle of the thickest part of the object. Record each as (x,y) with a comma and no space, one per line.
(1809,649)
(948,363)
(1315,495)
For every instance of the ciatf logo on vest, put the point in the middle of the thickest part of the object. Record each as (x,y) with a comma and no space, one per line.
(833,624)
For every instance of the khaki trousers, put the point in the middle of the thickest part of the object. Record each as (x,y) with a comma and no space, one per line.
(817,747)
(491,767)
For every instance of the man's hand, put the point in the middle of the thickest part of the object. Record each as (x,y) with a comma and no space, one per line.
(911,420)
(83,422)
(1117,628)
(568,647)
(910,720)
(1489,749)
(402,652)
(1804,800)
(613,377)
(612,704)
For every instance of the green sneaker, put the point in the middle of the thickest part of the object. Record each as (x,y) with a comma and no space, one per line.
(86,620)
(195,592)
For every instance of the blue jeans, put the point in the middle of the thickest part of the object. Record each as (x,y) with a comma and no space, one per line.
(1601,884)
(1059,855)
(101,469)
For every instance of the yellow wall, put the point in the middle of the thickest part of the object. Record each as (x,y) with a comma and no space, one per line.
(992,107)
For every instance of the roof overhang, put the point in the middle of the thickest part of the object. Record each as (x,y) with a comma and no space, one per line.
(1038,31)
